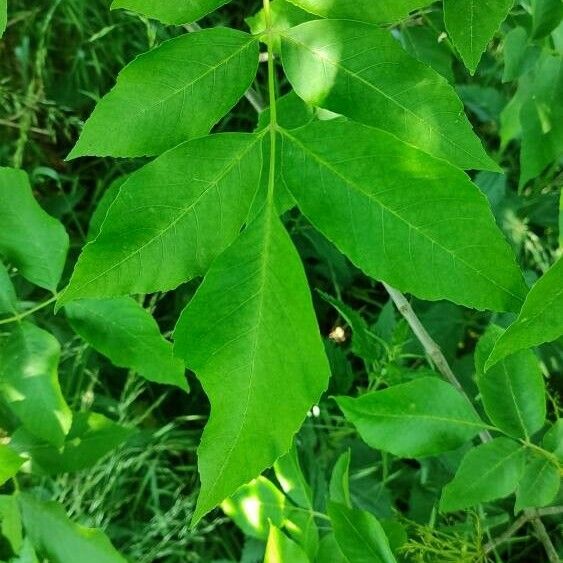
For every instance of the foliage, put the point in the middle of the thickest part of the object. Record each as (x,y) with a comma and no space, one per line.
(268,255)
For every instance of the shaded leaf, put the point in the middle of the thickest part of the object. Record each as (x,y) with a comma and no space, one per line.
(3,16)
(547,15)
(91,436)
(259,356)
(553,439)
(59,539)
(173,93)
(30,239)
(360,71)
(10,521)
(29,383)
(10,462)
(403,217)
(171,11)
(171,218)
(128,335)
(539,321)
(487,472)
(340,481)
(359,535)
(423,417)
(292,481)
(8,297)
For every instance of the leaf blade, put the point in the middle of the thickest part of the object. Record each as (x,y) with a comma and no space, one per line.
(171,11)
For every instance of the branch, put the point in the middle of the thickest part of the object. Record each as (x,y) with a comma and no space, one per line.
(435,353)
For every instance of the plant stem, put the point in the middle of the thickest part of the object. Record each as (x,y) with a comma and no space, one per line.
(433,350)
(273,109)
(19,317)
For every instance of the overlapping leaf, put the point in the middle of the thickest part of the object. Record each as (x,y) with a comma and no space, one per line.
(539,321)
(539,484)
(471,24)
(173,93)
(360,71)
(29,358)
(171,218)
(8,298)
(513,390)
(128,335)
(258,356)
(171,11)
(487,472)
(281,549)
(424,417)
(400,215)
(10,462)
(30,239)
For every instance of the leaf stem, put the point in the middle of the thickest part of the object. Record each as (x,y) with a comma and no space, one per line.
(437,356)
(273,108)
(18,317)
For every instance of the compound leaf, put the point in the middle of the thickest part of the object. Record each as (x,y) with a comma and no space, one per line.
(258,356)
(360,71)
(128,335)
(359,535)
(171,11)
(171,218)
(59,539)
(30,239)
(471,24)
(29,384)
(416,419)
(400,215)
(173,93)
(487,472)
(371,11)
(513,390)
(539,321)
(91,436)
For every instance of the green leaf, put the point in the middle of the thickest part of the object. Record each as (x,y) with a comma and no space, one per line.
(329,551)
(10,462)
(512,391)
(519,55)
(423,417)
(281,549)
(292,481)
(542,119)
(340,481)
(8,297)
(371,11)
(128,335)
(254,506)
(101,211)
(539,484)
(171,11)
(29,358)
(553,439)
(301,526)
(471,24)
(10,521)
(173,93)
(30,239)
(360,71)
(91,436)
(359,535)
(487,472)
(59,539)
(259,356)
(547,15)
(3,16)
(171,218)
(539,321)
(400,215)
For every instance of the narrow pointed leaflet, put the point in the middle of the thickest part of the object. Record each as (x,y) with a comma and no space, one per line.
(360,71)
(173,93)
(251,337)
(403,217)
(171,218)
